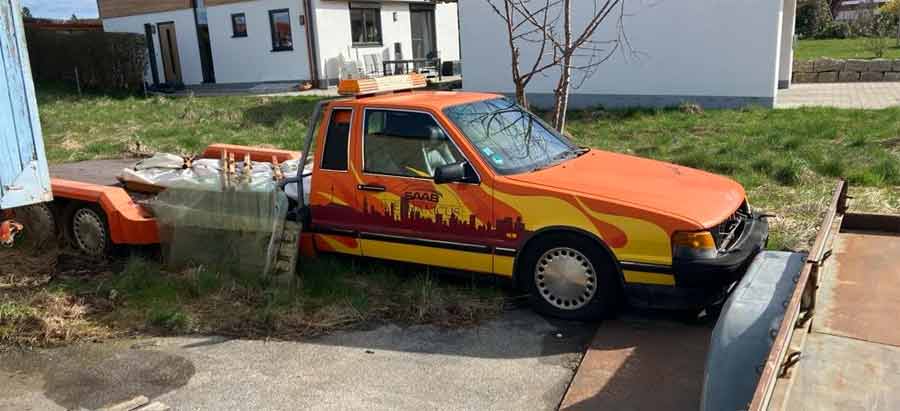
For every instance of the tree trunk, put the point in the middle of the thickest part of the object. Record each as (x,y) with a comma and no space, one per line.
(521,96)
(565,72)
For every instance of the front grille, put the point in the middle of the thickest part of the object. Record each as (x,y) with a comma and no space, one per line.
(727,232)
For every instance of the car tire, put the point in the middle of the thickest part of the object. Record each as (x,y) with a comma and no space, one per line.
(40,227)
(571,277)
(87,230)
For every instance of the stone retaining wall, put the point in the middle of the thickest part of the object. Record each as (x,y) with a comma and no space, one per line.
(828,70)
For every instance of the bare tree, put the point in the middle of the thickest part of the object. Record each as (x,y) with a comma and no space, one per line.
(561,44)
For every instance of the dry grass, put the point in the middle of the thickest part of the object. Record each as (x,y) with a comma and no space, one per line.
(31,314)
(54,299)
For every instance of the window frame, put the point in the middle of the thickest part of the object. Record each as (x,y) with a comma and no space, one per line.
(276,47)
(349,138)
(364,8)
(364,133)
(234,32)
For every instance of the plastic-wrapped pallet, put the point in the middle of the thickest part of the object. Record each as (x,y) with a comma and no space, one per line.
(228,217)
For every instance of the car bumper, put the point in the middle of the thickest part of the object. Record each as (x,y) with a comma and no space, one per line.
(729,266)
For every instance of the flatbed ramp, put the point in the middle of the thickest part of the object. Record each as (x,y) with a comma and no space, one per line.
(851,358)
(641,363)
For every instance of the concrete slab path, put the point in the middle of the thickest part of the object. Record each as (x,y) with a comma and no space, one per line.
(840,95)
(519,362)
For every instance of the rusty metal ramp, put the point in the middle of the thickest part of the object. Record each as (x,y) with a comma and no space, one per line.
(859,291)
(641,363)
(851,357)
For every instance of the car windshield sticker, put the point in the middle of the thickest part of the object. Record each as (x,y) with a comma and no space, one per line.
(487,151)
(497,159)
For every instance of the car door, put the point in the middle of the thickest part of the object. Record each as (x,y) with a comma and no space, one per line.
(405,215)
(332,197)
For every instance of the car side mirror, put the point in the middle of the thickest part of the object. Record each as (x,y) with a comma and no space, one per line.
(461,172)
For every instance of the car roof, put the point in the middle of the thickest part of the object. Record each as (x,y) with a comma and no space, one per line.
(434,100)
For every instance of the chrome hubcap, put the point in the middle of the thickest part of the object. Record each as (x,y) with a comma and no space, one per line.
(90,236)
(565,278)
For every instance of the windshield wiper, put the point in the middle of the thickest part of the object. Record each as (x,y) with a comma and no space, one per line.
(562,157)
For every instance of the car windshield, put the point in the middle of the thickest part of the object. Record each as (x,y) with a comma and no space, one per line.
(509,138)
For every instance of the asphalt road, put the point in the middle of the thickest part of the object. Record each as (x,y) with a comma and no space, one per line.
(519,362)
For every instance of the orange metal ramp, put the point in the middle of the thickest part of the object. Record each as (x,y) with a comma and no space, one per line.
(640,364)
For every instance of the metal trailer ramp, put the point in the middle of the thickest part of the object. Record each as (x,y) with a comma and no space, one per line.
(851,358)
(838,347)
(641,363)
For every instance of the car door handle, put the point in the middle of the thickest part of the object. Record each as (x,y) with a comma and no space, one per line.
(371,187)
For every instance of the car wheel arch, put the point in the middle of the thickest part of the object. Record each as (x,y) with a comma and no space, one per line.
(543,232)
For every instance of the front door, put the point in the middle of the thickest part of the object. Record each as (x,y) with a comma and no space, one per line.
(424,44)
(405,215)
(168,47)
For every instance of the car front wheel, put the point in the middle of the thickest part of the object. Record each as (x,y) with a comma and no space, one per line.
(570,277)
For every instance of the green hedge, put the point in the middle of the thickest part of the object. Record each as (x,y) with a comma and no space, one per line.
(104,60)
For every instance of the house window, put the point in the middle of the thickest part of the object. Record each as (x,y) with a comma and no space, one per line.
(282,40)
(239,24)
(365,24)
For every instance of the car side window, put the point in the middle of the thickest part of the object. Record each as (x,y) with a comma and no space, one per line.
(334,155)
(404,143)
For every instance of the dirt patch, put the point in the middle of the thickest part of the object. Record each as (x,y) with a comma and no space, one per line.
(92,375)
(35,313)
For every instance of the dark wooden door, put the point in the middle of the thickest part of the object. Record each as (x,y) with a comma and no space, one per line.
(168,47)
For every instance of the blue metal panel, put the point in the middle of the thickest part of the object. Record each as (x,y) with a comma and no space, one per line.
(24,177)
(745,331)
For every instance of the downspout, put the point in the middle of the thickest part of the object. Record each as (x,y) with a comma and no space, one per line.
(312,49)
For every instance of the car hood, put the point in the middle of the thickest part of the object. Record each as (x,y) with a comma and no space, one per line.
(702,198)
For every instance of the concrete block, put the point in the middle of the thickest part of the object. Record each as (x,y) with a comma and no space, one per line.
(828,77)
(896,65)
(892,76)
(857,65)
(804,66)
(828,64)
(880,65)
(848,76)
(804,77)
(871,76)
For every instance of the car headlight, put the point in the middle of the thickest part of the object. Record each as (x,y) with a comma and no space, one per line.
(694,245)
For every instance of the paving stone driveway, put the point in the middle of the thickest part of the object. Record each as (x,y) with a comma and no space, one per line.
(841,95)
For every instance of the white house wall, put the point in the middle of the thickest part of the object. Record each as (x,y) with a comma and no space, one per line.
(335,42)
(786,59)
(251,59)
(717,53)
(446,21)
(185,33)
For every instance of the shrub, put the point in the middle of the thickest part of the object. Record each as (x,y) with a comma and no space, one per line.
(835,30)
(875,28)
(813,16)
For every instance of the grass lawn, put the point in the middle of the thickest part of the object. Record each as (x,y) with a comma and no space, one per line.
(788,160)
(854,48)
(98,126)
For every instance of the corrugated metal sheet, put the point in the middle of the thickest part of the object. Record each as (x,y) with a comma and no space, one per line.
(24,178)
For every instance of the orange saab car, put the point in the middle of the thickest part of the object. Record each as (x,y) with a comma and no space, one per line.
(473,181)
